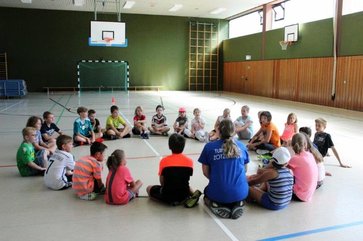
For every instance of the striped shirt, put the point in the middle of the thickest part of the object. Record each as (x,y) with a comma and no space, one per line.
(159,121)
(280,192)
(86,170)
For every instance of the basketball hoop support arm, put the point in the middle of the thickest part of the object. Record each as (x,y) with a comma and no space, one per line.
(103,2)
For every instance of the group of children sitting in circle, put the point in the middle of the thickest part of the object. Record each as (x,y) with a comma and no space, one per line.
(293,171)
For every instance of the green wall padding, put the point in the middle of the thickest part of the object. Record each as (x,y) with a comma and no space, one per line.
(352,35)
(45,46)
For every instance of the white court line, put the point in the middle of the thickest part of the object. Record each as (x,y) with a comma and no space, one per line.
(221,225)
(147,143)
(11,106)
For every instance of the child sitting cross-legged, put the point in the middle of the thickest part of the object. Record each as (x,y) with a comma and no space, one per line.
(87,182)
(120,186)
(276,182)
(28,163)
(174,174)
(58,175)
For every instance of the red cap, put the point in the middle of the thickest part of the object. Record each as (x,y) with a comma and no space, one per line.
(182,109)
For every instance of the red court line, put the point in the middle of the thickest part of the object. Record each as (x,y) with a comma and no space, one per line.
(128,158)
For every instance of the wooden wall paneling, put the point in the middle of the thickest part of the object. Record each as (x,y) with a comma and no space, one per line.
(227,76)
(355,83)
(343,66)
(286,79)
(261,77)
(315,81)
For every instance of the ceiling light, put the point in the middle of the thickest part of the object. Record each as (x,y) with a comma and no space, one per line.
(26,1)
(217,11)
(176,7)
(78,3)
(128,4)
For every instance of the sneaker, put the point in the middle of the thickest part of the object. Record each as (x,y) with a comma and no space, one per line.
(219,211)
(165,134)
(192,201)
(127,136)
(146,135)
(262,152)
(237,211)
(112,137)
(89,196)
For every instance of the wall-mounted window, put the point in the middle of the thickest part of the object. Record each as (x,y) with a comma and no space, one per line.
(298,11)
(352,6)
(245,25)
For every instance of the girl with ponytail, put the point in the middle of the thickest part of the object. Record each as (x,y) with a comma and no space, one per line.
(224,163)
(120,186)
(304,169)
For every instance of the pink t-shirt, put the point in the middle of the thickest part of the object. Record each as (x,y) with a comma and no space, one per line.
(116,187)
(305,172)
(289,131)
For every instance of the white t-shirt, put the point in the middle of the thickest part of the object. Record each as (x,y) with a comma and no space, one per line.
(197,124)
(55,175)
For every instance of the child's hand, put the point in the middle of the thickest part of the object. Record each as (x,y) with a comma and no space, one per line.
(345,166)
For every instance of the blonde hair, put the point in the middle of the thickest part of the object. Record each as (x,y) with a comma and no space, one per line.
(246,107)
(226,129)
(321,121)
(292,115)
(311,148)
(298,143)
(138,108)
(28,130)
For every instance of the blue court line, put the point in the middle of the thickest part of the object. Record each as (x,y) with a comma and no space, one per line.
(319,230)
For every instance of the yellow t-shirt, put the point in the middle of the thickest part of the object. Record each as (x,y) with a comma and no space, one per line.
(115,122)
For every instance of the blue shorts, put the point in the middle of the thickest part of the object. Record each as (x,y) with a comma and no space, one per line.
(266,203)
(132,195)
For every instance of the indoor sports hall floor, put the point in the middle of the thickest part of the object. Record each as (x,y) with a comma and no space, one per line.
(29,211)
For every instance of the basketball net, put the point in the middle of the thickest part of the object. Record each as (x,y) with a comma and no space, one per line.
(108,41)
(284,44)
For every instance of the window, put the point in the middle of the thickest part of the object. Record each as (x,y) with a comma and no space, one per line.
(298,11)
(245,25)
(352,6)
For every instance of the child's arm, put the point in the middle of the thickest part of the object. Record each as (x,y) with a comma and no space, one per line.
(263,176)
(205,169)
(36,167)
(338,158)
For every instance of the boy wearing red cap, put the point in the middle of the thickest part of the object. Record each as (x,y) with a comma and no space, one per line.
(181,123)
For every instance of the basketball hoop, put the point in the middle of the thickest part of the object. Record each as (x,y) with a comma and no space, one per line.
(284,44)
(108,41)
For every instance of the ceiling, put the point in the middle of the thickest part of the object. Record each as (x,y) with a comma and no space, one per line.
(191,8)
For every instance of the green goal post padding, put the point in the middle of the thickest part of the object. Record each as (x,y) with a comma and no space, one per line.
(103,74)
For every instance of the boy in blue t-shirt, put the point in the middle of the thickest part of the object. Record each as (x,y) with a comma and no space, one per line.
(82,128)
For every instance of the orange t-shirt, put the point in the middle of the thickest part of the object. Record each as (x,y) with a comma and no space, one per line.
(275,136)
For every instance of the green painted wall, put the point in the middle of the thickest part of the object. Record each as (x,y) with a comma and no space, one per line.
(315,40)
(44,46)
(352,35)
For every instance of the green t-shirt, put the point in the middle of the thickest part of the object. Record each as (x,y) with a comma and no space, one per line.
(25,155)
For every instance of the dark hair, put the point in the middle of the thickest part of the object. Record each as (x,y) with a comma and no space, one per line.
(176,143)
(306,130)
(159,106)
(97,147)
(32,121)
(267,114)
(113,108)
(226,129)
(63,139)
(114,161)
(91,112)
(46,114)
(81,109)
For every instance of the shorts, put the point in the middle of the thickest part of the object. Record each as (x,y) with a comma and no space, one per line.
(132,195)
(266,203)
(39,160)
(156,192)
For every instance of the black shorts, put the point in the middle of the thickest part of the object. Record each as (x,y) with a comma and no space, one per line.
(156,192)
